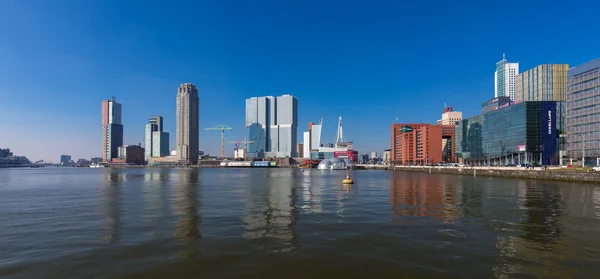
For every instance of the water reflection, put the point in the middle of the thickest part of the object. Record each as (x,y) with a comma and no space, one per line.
(111,205)
(424,195)
(186,205)
(155,192)
(271,211)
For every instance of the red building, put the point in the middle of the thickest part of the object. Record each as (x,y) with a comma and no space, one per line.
(349,154)
(416,144)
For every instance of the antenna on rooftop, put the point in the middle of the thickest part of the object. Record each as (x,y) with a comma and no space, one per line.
(503,56)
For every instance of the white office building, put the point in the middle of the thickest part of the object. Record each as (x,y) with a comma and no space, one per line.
(306,145)
(272,124)
(505,79)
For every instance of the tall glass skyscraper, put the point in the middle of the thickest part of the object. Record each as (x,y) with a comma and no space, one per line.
(272,124)
(157,141)
(505,79)
(112,129)
(188,109)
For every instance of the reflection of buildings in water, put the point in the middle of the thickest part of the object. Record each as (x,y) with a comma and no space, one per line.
(312,195)
(186,205)
(271,211)
(111,205)
(521,195)
(424,195)
(155,194)
(469,196)
(540,243)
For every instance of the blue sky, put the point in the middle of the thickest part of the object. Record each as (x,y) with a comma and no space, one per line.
(367,61)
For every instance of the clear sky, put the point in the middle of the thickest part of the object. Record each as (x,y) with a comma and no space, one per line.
(367,61)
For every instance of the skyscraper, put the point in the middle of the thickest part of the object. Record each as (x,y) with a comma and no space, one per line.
(505,79)
(187,124)
(112,129)
(157,141)
(272,124)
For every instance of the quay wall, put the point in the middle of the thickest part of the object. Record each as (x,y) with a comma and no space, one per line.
(540,174)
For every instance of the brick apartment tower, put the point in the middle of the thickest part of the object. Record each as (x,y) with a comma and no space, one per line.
(112,129)
(416,144)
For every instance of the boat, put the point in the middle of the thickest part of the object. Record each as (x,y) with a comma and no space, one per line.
(335,164)
(96,166)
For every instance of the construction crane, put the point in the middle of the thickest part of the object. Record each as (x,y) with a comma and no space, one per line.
(221,128)
(237,144)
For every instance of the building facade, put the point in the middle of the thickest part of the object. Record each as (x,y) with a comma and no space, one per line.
(547,82)
(583,112)
(65,159)
(131,155)
(496,103)
(306,145)
(187,134)
(112,129)
(448,122)
(505,79)
(157,141)
(315,134)
(416,144)
(523,133)
(300,150)
(272,124)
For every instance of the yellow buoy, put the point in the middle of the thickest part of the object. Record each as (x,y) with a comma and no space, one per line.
(347,180)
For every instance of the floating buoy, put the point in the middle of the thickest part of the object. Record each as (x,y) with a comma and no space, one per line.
(347,180)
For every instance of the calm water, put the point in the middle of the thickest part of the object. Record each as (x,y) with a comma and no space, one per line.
(283,223)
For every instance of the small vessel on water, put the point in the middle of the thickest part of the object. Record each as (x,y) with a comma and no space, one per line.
(95,165)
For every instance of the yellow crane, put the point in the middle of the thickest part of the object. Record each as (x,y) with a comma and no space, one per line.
(237,143)
(221,128)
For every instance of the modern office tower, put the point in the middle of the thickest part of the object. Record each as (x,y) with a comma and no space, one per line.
(523,133)
(306,145)
(187,138)
(505,78)
(112,129)
(272,124)
(583,112)
(65,159)
(546,82)
(315,134)
(157,141)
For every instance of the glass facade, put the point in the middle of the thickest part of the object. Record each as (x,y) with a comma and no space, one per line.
(517,134)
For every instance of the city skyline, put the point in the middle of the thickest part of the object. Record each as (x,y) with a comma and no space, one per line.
(365,63)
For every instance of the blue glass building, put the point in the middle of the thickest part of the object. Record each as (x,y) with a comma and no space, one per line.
(518,134)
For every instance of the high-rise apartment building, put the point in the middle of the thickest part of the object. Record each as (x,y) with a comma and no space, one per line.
(583,112)
(272,124)
(157,141)
(112,129)
(505,79)
(187,138)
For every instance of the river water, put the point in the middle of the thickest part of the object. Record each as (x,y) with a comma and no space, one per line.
(284,223)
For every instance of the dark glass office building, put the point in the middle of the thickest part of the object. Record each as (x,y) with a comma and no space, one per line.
(518,134)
